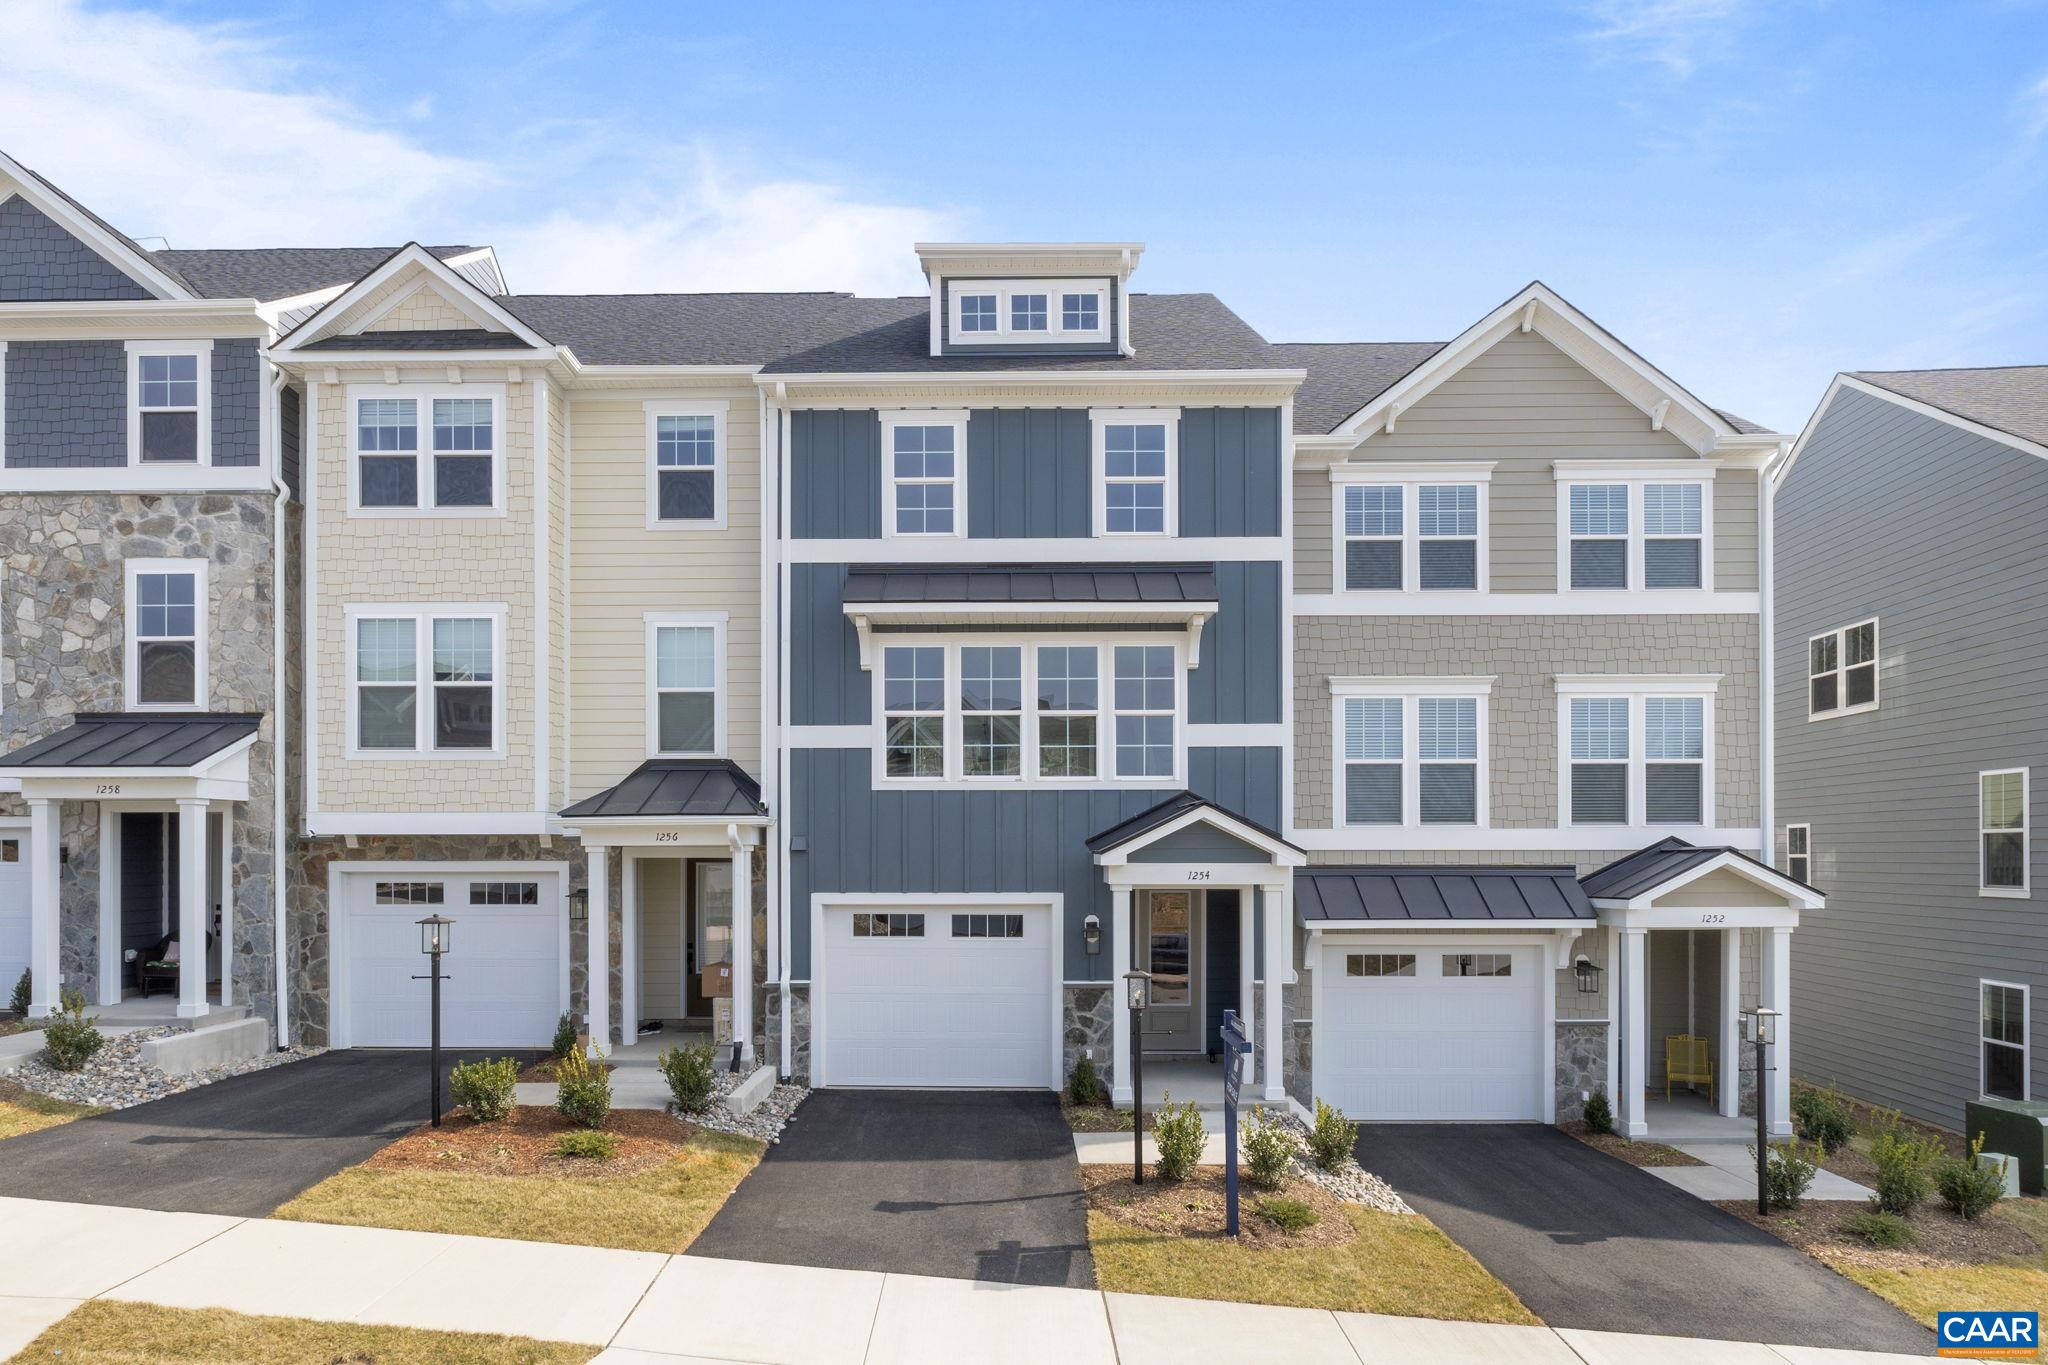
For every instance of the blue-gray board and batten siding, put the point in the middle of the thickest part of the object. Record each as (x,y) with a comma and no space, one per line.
(1030,472)
(41,262)
(1942,536)
(67,404)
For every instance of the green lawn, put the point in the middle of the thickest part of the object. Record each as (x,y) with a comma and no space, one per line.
(108,1333)
(2019,1282)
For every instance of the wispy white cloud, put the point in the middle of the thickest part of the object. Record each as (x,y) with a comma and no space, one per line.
(2033,104)
(1679,36)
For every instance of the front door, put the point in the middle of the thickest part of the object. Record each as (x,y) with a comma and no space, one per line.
(1171,951)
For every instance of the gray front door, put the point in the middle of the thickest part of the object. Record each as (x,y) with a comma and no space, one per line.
(1170,948)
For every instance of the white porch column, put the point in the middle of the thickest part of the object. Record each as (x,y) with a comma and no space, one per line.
(1728,1084)
(1634,1035)
(227,905)
(110,906)
(1279,914)
(192,914)
(629,949)
(597,953)
(1119,1016)
(1247,951)
(42,907)
(742,948)
(1777,995)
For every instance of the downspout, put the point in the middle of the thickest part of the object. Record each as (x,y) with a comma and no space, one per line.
(279,835)
(1767,485)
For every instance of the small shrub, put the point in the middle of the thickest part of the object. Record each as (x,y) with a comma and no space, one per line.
(1790,1174)
(586,1145)
(690,1072)
(1084,1087)
(1887,1231)
(1269,1146)
(69,1038)
(565,1036)
(1177,1128)
(1966,1187)
(1598,1113)
(1822,1117)
(1332,1138)
(19,1001)
(1289,1215)
(1903,1160)
(484,1088)
(583,1093)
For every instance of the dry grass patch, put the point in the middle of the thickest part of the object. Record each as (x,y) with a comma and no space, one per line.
(542,1072)
(9,1027)
(1095,1118)
(1170,1240)
(505,1180)
(108,1333)
(1634,1153)
(24,1111)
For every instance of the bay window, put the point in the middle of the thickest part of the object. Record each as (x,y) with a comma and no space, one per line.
(1145,708)
(1068,698)
(914,711)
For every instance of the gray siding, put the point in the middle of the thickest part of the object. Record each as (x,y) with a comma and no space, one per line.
(39,260)
(67,405)
(237,385)
(835,475)
(1029,472)
(827,685)
(1238,679)
(1230,472)
(1943,536)
(288,434)
(1199,843)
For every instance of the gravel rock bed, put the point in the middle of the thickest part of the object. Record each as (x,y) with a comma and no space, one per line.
(1353,1183)
(117,1078)
(765,1124)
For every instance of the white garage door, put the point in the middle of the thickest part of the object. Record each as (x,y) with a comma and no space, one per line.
(503,982)
(1409,1032)
(13,907)
(950,996)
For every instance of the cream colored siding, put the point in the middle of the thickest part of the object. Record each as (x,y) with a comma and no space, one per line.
(561,741)
(1721,888)
(620,570)
(425,310)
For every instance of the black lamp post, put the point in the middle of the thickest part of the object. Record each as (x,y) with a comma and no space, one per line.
(1136,985)
(437,936)
(1759,1025)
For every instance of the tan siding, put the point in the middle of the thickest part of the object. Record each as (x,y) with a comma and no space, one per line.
(425,310)
(1722,888)
(1314,531)
(558,596)
(1735,534)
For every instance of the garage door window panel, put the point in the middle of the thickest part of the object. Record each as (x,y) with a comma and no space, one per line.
(410,893)
(888,926)
(1379,964)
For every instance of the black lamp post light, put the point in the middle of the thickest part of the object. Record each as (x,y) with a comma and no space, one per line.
(1760,1027)
(437,936)
(1137,987)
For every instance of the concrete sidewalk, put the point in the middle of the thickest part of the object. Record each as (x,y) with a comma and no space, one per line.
(1730,1173)
(647,1308)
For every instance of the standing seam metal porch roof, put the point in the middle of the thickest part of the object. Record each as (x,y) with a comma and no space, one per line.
(1439,894)
(135,739)
(1648,868)
(1172,808)
(1132,583)
(664,788)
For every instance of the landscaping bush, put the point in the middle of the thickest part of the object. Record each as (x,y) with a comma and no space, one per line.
(565,1036)
(1886,1231)
(19,1002)
(1084,1087)
(1289,1215)
(69,1038)
(1822,1117)
(1966,1187)
(583,1093)
(690,1073)
(1177,1128)
(1268,1143)
(1903,1159)
(1332,1138)
(1598,1113)
(587,1145)
(484,1088)
(1790,1173)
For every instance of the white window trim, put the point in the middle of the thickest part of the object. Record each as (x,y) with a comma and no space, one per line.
(2026,1043)
(1635,688)
(1411,691)
(201,620)
(1807,830)
(203,446)
(716,620)
(718,410)
(1410,478)
(1055,330)
(1099,420)
(424,395)
(1841,669)
(954,778)
(1573,473)
(956,419)
(3,405)
(2025,890)
(423,615)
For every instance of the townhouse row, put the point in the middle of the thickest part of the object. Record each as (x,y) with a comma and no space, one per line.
(877,682)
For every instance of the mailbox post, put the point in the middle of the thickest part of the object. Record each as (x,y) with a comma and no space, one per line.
(1235,1046)
(1136,985)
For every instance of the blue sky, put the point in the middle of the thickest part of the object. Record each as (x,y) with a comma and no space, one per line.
(1753,195)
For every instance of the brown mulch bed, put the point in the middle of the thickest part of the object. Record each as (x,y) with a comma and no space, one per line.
(542,1072)
(523,1143)
(1634,1153)
(1196,1207)
(1095,1118)
(1940,1238)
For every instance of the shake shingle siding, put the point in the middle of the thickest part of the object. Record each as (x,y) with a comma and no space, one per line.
(67,405)
(1943,536)
(236,385)
(40,261)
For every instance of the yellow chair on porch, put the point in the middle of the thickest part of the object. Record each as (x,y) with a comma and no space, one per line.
(1686,1062)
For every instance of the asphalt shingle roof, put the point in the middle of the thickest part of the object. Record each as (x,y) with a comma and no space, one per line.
(278,272)
(2012,398)
(1167,583)
(1439,893)
(1344,376)
(449,339)
(664,787)
(134,739)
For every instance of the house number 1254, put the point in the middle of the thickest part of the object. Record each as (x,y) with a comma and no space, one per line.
(1198,876)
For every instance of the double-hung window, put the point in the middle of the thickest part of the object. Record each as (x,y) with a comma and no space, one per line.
(686,714)
(1069,696)
(425,681)
(1373,751)
(1674,534)
(461,433)
(1674,758)
(914,711)
(2002,1026)
(685,466)
(1599,760)
(1637,750)
(925,464)
(1799,852)
(1146,707)
(170,392)
(1135,458)
(2002,825)
(1623,527)
(1841,671)
(1599,513)
(1372,538)
(1411,528)
(1028,311)
(1447,533)
(992,710)
(166,663)
(1411,751)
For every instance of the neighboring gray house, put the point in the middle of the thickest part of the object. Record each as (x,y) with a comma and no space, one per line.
(1910,535)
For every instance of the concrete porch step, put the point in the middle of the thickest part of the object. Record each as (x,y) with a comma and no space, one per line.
(162,1012)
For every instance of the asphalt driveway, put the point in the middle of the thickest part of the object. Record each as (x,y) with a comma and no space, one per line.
(970,1185)
(1589,1241)
(241,1146)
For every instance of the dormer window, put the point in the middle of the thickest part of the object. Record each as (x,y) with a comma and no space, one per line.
(1028,311)
(978,313)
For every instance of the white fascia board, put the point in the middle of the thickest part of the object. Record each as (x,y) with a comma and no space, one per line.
(1629,602)
(1437,471)
(1282,854)
(117,253)
(1545,839)
(1018,378)
(1648,684)
(412,255)
(1848,381)
(1438,929)
(892,613)
(1750,871)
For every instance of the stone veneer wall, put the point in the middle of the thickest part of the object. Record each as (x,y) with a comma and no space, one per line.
(1581,1066)
(1088,1026)
(800,1030)
(63,591)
